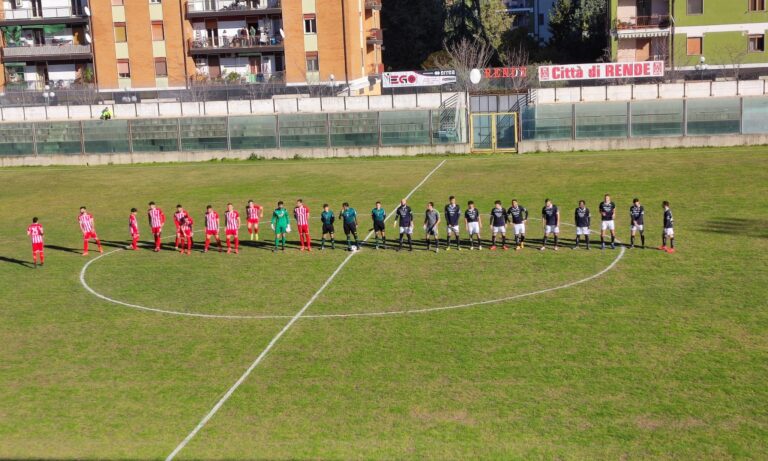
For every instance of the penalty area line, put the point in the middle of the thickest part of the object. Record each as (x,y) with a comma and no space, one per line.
(280,334)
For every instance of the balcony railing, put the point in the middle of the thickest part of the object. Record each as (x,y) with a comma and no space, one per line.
(60,51)
(201,8)
(273,42)
(375,37)
(41,14)
(658,21)
(373,5)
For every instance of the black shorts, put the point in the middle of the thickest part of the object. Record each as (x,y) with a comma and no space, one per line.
(379,226)
(328,229)
(350,228)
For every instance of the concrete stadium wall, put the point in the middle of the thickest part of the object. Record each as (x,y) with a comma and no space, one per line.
(246,107)
(650,91)
(161,157)
(642,143)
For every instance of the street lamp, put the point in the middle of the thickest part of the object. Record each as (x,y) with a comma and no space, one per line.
(332,78)
(701,67)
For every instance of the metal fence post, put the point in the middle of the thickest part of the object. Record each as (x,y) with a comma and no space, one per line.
(741,115)
(629,119)
(378,123)
(573,121)
(34,139)
(685,117)
(178,134)
(328,129)
(82,138)
(431,128)
(229,138)
(277,130)
(130,136)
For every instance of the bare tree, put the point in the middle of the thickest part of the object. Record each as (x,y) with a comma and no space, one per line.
(465,55)
(733,56)
(518,56)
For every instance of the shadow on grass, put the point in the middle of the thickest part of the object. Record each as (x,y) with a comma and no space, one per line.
(16,261)
(737,226)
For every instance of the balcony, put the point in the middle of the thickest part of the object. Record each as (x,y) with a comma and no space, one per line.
(375,37)
(373,5)
(46,15)
(643,26)
(232,8)
(225,45)
(48,52)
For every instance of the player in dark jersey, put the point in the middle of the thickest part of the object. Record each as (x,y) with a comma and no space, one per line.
(404,218)
(636,217)
(327,218)
(550,217)
(669,231)
(348,218)
(583,219)
(474,223)
(499,221)
(431,221)
(379,228)
(452,216)
(607,212)
(519,216)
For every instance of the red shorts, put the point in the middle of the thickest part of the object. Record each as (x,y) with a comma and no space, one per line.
(37,247)
(89,235)
(157,230)
(211,232)
(232,232)
(134,235)
(303,228)
(253,221)
(186,233)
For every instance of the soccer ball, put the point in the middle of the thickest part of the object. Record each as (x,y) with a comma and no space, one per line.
(353,248)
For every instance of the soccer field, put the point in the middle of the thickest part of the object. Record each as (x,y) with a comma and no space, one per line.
(615,354)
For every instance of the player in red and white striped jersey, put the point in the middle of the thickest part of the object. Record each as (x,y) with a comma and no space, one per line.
(254,213)
(301,213)
(233,224)
(35,232)
(133,228)
(156,222)
(185,230)
(180,213)
(88,227)
(211,227)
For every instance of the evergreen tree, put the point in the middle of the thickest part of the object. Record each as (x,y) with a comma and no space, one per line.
(413,29)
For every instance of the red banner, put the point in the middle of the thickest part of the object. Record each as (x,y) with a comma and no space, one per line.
(504,72)
(609,70)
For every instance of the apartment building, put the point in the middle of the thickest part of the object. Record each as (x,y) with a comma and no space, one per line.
(532,15)
(690,34)
(168,43)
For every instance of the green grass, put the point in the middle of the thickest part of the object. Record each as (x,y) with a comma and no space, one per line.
(665,356)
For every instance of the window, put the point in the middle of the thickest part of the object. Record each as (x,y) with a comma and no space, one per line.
(695,7)
(756,5)
(121,36)
(310,24)
(756,43)
(161,67)
(158,33)
(313,65)
(694,45)
(123,68)
(118,2)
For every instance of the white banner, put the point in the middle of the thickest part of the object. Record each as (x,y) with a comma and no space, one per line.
(607,70)
(411,78)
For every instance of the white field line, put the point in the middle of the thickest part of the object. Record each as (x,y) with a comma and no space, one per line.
(347,315)
(277,337)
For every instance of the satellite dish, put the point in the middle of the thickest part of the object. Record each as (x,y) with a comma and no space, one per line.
(88,37)
(282,33)
(87,11)
(475,76)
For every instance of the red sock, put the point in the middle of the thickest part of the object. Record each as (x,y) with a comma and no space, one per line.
(309,240)
(250,230)
(34,257)
(189,243)
(207,243)
(157,242)
(228,244)
(42,257)
(98,244)
(85,246)
(177,240)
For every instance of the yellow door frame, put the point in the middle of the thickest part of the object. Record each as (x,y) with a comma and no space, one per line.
(494,140)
